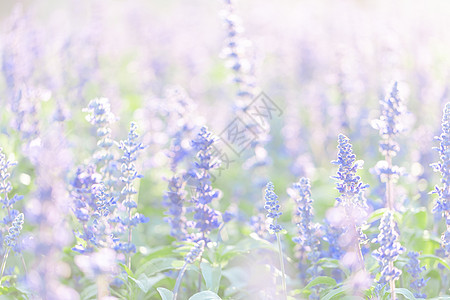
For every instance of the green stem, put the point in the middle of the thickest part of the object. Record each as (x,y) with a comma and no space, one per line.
(178,282)
(283,273)
(200,273)
(4,262)
(24,264)
(392,283)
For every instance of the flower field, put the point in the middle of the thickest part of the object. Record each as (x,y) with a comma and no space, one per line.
(205,150)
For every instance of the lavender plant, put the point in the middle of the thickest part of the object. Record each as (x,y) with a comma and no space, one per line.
(351,203)
(389,126)
(387,253)
(101,117)
(272,207)
(11,239)
(308,239)
(6,188)
(206,218)
(442,205)
(194,254)
(131,148)
(414,269)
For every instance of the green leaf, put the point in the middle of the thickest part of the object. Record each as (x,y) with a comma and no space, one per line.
(321,280)
(165,293)
(329,263)
(434,257)
(158,265)
(145,283)
(406,293)
(212,276)
(376,215)
(205,295)
(333,293)
(421,219)
(90,292)
(129,272)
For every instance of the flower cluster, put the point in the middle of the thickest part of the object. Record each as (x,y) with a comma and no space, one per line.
(14,231)
(414,269)
(101,117)
(308,242)
(272,207)
(131,148)
(5,190)
(389,124)
(236,53)
(175,199)
(442,205)
(205,217)
(389,249)
(349,184)
(181,115)
(195,252)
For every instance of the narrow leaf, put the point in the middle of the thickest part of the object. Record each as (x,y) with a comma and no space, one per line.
(205,295)
(165,293)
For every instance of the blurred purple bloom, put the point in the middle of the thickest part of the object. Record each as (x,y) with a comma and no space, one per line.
(14,231)
(390,124)
(272,207)
(100,115)
(442,204)
(414,269)
(389,249)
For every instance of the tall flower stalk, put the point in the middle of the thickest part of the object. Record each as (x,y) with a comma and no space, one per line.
(388,252)
(131,148)
(351,204)
(389,125)
(415,270)
(442,205)
(6,188)
(272,207)
(206,218)
(101,117)
(195,253)
(11,239)
(308,243)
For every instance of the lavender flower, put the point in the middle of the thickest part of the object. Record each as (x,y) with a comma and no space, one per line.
(308,243)
(235,53)
(195,252)
(101,117)
(414,269)
(11,239)
(351,206)
(389,124)
(442,205)
(273,208)
(14,231)
(52,161)
(349,184)
(175,199)
(6,188)
(180,114)
(206,218)
(388,251)
(131,148)
(331,235)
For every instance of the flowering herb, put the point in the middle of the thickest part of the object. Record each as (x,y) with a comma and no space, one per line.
(442,205)
(414,269)
(206,218)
